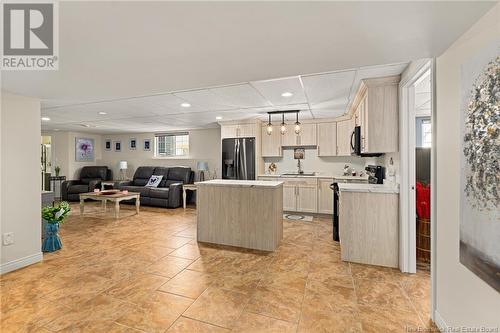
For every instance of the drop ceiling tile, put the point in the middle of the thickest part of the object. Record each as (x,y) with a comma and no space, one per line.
(328,90)
(324,113)
(240,96)
(272,90)
(205,99)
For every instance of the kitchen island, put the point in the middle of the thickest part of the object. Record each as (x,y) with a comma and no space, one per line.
(242,213)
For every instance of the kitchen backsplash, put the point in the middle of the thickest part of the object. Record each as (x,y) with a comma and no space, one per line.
(327,165)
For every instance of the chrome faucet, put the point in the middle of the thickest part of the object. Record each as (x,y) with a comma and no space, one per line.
(299,166)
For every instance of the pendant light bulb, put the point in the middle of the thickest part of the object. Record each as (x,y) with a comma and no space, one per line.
(269,126)
(297,124)
(283,125)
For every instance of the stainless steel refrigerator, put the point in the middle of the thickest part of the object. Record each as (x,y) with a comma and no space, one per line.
(238,158)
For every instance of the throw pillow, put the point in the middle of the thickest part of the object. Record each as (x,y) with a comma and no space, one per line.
(154,181)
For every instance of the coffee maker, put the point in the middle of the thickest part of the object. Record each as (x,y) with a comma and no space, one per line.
(376,174)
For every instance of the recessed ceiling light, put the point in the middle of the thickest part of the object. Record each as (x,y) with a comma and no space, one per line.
(218,118)
(85,125)
(185,105)
(102,112)
(287,94)
(45,119)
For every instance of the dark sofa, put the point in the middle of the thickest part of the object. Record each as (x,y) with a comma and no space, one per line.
(168,193)
(90,178)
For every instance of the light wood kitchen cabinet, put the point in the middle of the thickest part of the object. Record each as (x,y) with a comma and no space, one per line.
(376,106)
(290,196)
(307,192)
(327,139)
(238,131)
(344,132)
(368,225)
(325,196)
(271,144)
(306,137)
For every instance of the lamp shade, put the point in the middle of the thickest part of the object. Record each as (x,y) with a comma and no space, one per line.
(122,165)
(202,166)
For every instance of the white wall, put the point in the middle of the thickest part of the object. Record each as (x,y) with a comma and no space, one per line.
(463,299)
(20,180)
(63,152)
(204,145)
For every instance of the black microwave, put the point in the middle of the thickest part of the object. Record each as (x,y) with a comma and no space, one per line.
(356,144)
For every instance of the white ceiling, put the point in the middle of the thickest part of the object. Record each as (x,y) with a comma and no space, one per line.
(113,51)
(317,96)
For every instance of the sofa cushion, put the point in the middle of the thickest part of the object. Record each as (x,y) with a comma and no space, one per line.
(160,193)
(140,181)
(181,174)
(161,171)
(144,172)
(94,172)
(144,191)
(88,180)
(76,189)
(169,182)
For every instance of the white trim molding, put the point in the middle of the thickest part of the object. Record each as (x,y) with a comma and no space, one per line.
(21,262)
(440,322)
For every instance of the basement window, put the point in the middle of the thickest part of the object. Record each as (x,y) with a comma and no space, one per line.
(172,144)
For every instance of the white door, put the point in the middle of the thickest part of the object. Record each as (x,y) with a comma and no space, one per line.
(327,139)
(307,197)
(307,135)
(246,130)
(229,131)
(271,144)
(325,196)
(289,196)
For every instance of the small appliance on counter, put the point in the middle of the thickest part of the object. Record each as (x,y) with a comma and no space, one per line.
(376,174)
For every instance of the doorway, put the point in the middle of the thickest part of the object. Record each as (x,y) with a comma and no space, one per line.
(46,161)
(417,170)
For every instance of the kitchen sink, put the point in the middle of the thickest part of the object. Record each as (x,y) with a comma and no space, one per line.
(296,174)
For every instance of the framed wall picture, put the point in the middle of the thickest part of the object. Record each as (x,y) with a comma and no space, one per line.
(147,145)
(132,144)
(107,145)
(118,146)
(479,196)
(84,150)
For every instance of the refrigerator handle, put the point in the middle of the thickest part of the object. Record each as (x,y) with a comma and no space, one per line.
(237,165)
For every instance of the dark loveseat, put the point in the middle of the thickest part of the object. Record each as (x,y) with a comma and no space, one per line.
(90,178)
(168,193)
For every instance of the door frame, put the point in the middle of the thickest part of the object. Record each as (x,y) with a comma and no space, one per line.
(407,250)
(407,198)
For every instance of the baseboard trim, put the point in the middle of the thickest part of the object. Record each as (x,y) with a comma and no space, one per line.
(440,322)
(20,263)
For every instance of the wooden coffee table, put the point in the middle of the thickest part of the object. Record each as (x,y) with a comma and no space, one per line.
(116,198)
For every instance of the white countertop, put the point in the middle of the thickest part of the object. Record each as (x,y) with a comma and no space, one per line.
(317,175)
(373,188)
(241,183)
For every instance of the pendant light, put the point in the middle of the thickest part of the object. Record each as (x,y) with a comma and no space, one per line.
(269,126)
(283,125)
(297,124)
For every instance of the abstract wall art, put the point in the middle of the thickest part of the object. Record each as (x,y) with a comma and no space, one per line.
(480,165)
(84,150)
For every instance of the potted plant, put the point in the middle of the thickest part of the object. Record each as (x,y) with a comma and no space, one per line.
(54,216)
(57,169)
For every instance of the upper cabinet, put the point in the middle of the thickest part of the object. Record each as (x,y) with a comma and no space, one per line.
(327,139)
(271,143)
(306,137)
(375,109)
(238,131)
(345,129)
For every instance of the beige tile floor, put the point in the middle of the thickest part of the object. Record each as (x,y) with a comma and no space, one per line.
(147,273)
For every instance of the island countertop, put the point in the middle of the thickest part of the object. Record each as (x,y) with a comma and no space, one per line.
(240,183)
(372,188)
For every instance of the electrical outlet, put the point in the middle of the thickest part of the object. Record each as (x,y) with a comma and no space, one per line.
(8,238)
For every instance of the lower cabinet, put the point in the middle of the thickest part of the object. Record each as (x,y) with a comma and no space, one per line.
(325,196)
(300,195)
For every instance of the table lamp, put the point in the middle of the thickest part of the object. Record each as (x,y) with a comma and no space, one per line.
(202,167)
(123,167)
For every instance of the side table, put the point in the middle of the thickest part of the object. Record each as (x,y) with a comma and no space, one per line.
(53,180)
(187,187)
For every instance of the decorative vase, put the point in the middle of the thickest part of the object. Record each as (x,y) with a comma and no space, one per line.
(52,241)
(57,172)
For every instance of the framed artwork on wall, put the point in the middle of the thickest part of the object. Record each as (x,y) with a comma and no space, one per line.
(118,146)
(84,150)
(147,145)
(107,144)
(479,196)
(132,144)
